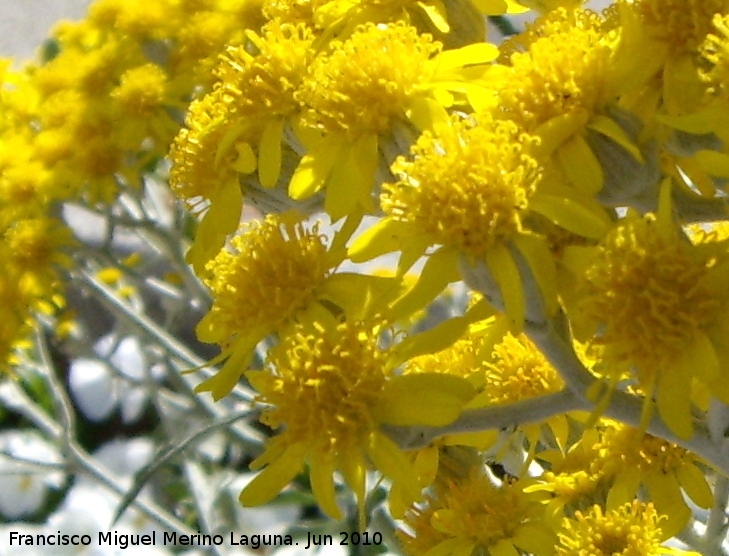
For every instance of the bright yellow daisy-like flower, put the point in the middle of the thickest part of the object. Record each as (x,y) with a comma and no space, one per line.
(474,515)
(330,388)
(556,84)
(663,37)
(628,458)
(468,188)
(277,271)
(238,127)
(516,370)
(666,330)
(633,529)
(357,91)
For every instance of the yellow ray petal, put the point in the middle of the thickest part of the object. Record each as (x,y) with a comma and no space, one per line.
(269,482)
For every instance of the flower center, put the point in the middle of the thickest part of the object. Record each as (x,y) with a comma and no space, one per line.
(273,271)
(367,80)
(324,384)
(466,186)
(645,292)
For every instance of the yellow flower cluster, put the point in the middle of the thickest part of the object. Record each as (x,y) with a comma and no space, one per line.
(560,176)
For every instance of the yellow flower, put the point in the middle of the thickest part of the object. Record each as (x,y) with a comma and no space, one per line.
(278,271)
(355,93)
(473,515)
(468,188)
(35,248)
(630,530)
(628,458)
(141,90)
(662,38)
(655,302)
(237,127)
(556,84)
(329,389)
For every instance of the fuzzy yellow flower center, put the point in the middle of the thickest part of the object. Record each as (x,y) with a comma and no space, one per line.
(366,82)
(472,510)
(263,84)
(251,89)
(34,243)
(519,371)
(323,385)
(645,293)
(622,447)
(273,270)
(142,90)
(683,24)
(631,530)
(461,359)
(563,70)
(466,186)
(716,50)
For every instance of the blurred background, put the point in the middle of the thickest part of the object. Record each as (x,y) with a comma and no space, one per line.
(24,24)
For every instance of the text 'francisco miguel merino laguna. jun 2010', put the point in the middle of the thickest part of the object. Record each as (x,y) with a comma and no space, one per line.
(125,540)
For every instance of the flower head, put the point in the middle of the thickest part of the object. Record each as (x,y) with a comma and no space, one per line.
(479,176)
(664,327)
(273,270)
(368,80)
(631,530)
(473,515)
(329,388)
(561,69)
(519,371)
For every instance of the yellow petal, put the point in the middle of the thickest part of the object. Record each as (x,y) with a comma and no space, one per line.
(439,270)
(353,468)
(425,113)
(315,167)
(220,220)
(478,53)
(506,275)
(665,492)
(541,264)
(491,7)
(436,12)
(674,395)
(429,399)
(269,154)
(534,539)
(352,178)
(683,90)
(439,337)
(245,162)
(222,382)
(609,128)
(556,131)
(624,488)
(391,461)
(715,163)
(426,464)
(384,236)
(355,294)
(580,165)
(269,482)
(586,220)
(321,471)
(693,481)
